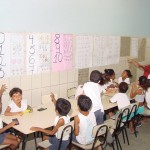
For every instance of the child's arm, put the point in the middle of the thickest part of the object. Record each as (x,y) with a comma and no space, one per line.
(2,90)
(48,132)
(8,113)
(53,98)
(7,127)
(76,125)
(137,64)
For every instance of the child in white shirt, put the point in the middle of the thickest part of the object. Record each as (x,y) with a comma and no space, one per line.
(125,77)
(62,108)
(17,105)
(121,98)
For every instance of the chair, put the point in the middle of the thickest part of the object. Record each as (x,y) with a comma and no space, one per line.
(98,131)
(4,147)
(71,92)
(63,131)
(47,99)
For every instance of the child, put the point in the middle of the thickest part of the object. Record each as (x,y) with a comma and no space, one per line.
(126,75)
(121,98)
(84,121)
(62,108)
(17,104)
(93,90)
(145,68)
(138,93)
(110,76)
(6,138)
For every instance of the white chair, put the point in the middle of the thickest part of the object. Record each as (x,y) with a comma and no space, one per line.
(63,131)
(71,92)
(2,147)
(99,130)
(47,99)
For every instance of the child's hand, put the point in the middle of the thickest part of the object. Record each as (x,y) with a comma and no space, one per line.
(52,96)
(20,113)
(35,128)
(12,124)
(3,88)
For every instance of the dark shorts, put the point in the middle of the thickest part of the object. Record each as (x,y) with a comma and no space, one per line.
(55,143)
(99,117)
(74,138)
(2,137)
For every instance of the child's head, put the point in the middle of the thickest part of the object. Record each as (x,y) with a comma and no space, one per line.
(123,87)
(16,94)
(110,73)
(126,74)
(63,106)
(143,82)
(84,103)
(95,76)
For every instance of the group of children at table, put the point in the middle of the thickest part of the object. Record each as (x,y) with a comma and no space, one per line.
(89,103)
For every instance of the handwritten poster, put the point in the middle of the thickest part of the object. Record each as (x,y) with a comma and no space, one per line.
(12,54)
(62,54)
(134,47)
(38,52)
(84,48)
(106,50)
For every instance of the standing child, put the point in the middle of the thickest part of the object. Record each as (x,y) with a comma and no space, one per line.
(121,98)
(62,108)
(17,105)
(125,77)
(93,90)
(84,121)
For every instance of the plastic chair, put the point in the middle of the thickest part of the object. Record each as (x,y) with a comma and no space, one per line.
(2,147)
(63,131)
(98,131)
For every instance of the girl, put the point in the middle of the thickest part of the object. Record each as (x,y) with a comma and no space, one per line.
(125,77)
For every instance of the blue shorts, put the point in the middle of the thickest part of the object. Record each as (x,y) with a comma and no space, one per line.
(55,143)
(99,117)
(2,137)
(140,110)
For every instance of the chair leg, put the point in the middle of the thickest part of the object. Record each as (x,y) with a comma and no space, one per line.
(123,136)
(116,142)
(126,135)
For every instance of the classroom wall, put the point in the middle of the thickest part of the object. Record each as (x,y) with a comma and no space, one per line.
(108,17)
(100,17)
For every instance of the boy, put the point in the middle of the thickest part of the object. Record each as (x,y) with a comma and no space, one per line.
(93,90)
(17,105)
(84,121)
(121,98)
(62,108)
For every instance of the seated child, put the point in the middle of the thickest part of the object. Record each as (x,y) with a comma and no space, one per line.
(17,105)
(121,98)
(126,75)
(62,108)
(84,121)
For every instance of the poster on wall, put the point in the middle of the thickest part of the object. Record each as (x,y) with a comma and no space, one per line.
(134,47)
(106,50)
(38,46)
(12,54)
(62,52)
(84,49)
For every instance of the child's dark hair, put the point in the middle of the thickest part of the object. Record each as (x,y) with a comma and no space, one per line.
(95,76)
(84,103)
(128,73)
(15,90)
(109,72)
(63,106)
(123,87)
(143,82)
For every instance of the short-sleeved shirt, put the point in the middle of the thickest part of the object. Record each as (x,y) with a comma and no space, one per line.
(147,98)
(146,70)
(127,80)
(121,99)
(15,108)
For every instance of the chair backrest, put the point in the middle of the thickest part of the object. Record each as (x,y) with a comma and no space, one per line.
(47,99)
(126,113)
(100,131)
(65,130)
(134,108)
(71,92)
